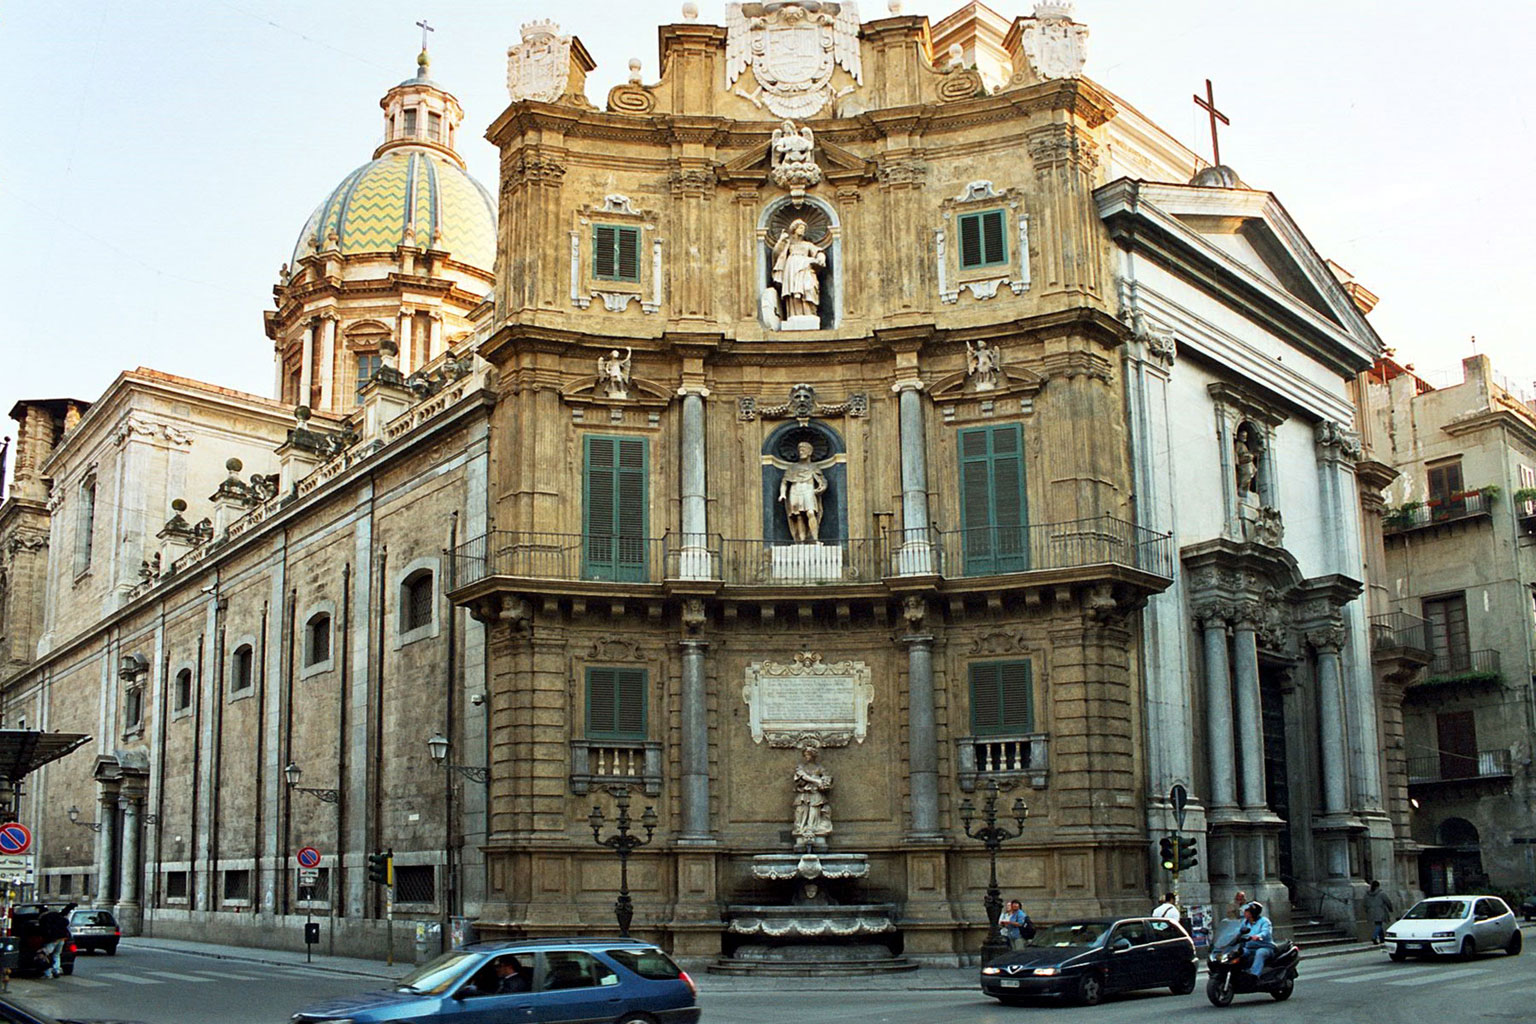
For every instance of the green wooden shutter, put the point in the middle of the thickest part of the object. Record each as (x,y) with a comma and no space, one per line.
(616,703)
(628,254)
(1002,698)
(603,252)
(615,253)
(614,509)
(993,515)
(983,240)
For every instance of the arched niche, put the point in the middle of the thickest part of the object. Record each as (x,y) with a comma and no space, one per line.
(824,229)
(829,454)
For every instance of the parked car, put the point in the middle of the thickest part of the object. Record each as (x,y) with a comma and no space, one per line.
(1454,926)
(1086,960)
(1528,908)
(95,929)
(554,980)
(30,959)
(12,1012)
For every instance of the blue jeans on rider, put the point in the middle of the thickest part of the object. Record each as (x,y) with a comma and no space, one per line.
(1261,954)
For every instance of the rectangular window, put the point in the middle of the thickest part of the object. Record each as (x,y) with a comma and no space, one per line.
(183,699)
(993,516)
(133,708)
(368,364)
(1448,636)
(85,526)
(1527,483)
(410,122)
(240,669)
(616,703)
(1456,736)
(1445,487)
(414,883)
(237,885)
(175,885)
(435,126)
(1002,698)
(983,240)
(614,509)
(317,647)
(615,253)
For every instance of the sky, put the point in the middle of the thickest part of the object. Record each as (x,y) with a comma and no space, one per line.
(162,158)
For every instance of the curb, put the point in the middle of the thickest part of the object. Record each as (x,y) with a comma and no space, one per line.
(254,957)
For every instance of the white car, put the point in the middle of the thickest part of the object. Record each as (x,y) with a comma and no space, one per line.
(1454,926)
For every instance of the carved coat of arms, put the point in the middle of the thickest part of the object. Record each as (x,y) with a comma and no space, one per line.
(539,67)
(793,50)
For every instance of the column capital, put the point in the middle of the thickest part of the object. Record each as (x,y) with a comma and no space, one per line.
(910,384)
(1327,640)
(694,390)
(918,640)
(1337,443)
(1246,615)
(1212,614)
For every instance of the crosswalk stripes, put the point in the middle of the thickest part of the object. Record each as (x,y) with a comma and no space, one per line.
(87,982)
(173,976)
(1511,980)
(131,979)
(1430,977)
(232,976)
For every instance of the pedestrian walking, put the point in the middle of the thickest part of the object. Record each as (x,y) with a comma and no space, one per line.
(1015,925)
(1378,909)
(1168,910)
(53,926)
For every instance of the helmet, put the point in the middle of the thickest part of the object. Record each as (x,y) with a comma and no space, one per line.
(1256,907)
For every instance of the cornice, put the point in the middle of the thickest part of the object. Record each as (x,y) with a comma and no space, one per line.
(1492,419)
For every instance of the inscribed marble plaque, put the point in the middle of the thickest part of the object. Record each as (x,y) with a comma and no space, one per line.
(808,701)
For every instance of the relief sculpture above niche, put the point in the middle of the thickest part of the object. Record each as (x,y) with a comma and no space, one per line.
(793,50)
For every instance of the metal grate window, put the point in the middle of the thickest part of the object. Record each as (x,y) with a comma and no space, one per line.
(237,885)
(175,885)
(320,892)
(415,883)
(240,669)
(416,603)
(317,640)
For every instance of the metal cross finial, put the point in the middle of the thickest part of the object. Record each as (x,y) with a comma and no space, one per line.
(425,28)
(1208,104)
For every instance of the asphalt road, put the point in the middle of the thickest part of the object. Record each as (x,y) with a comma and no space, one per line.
(162,987)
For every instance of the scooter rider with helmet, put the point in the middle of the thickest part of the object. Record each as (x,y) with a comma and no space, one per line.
(1256,936)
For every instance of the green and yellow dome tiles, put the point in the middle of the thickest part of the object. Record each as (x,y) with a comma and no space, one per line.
(416,188)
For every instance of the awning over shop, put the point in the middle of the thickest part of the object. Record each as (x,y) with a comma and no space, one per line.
(24,751)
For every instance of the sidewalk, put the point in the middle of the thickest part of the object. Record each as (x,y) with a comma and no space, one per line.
(927,979)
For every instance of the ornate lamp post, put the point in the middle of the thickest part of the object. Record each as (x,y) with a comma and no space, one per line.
(623,844)
(992,835)
(293,773)
(74,819)
(437,746)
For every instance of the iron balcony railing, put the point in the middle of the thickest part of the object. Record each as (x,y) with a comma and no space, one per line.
(1448,665)
(1447,509)
(1078,543)
(1398,630)
(1446,766)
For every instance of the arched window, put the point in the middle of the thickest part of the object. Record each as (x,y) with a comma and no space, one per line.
(85,525)
(317,639)
(183,696)
(240,675)
(416,601)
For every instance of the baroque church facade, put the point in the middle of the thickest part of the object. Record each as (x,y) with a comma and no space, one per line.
(885,389)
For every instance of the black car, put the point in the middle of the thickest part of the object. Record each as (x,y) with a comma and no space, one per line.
(29,939)
(12,1012)
(95,929)
(1528,909)
(1085,960)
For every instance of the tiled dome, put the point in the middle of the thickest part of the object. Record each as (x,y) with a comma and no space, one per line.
(418,188)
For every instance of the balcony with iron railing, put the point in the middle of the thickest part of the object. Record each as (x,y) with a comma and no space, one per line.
(1394,632)
(950,554)
(1446,766)
(1456,507)
(1459,669)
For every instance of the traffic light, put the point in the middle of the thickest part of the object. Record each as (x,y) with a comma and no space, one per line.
(381,868)
(1168,852)
(1189,854)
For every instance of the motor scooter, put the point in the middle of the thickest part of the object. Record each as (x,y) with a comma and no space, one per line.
(1229,968)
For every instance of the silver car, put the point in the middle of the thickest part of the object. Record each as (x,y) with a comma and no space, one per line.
(95,929)
(1454,926)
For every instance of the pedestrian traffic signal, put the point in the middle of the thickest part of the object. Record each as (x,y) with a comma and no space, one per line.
(1168,852)
(1189,854)
(381,868)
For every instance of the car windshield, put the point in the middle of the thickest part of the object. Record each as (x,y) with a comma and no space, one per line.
(1438,910)
(436,976)
(34,1014)
(91,917)
(1071,933)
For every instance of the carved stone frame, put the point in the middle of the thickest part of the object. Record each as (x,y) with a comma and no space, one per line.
(619,211)
(983,282)
(820,732)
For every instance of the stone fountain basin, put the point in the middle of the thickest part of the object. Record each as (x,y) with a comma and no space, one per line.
(836,922)
(809,866)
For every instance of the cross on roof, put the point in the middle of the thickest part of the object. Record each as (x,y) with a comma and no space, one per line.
(425,28)
(1208,104)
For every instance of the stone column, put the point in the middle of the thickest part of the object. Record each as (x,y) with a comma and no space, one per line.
(327,362)
(1249,711)
(1330,716)
(307,365)
(1218,711)
(435,336)
(407,336)
(1229,496)
(128,909)
(695,509)
(922,740)
(916,553)
(695,744)
(105,868)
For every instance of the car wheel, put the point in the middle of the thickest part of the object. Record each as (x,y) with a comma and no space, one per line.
(1090,989)
(1283,993)
(1185,985)
(112,950)
(1217,993)
(635,1018)
(1468,948)
(69,968)
(1397,956)
(1011,1000)
(1512,947)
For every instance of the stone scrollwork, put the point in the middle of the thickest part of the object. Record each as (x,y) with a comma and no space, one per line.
(1336,441)
(538,67)
(802,405)
(793,50)
(1328,638)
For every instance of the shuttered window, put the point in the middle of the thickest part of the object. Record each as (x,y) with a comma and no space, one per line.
(615,253)
(983,242)
(616,703)
(1002,698)
(993,516)
(614,509)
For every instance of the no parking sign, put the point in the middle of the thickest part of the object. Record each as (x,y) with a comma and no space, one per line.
(15,838)
(308,857)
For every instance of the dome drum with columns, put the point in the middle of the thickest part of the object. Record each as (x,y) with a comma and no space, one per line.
(401,250)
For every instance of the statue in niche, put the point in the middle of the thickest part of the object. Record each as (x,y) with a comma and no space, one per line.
(1247,456)
(613,373)
(983,365)
(797,262)
(800,490)
(813,812)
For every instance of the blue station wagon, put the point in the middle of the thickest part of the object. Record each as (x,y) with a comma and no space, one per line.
(541,981)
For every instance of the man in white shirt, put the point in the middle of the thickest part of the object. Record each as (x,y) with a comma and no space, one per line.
(1167,909)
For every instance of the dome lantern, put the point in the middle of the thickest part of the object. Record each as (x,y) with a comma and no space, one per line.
(419,112)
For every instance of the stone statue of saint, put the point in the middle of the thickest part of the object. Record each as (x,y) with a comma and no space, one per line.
(983,365)
(1247,463)
(796,262)
(800,490)
(613,373)
(813,812)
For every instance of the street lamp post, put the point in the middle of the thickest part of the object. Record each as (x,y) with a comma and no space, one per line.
(623,844)
(992,835)
(74,819)
(293,773)
(437,746)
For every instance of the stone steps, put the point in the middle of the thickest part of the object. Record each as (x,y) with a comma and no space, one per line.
(1320,934)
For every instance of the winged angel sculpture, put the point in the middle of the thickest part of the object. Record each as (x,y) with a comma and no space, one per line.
(793,50)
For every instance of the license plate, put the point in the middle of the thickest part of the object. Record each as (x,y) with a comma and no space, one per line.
(1413,945)
(1008,984)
